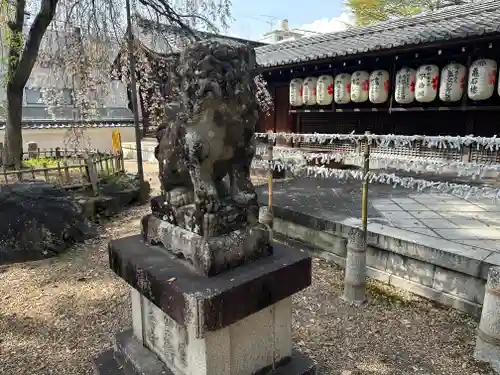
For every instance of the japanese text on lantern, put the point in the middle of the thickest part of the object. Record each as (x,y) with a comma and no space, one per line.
(482,78)
(405,86)
(379,86)
(452,83)
(342,91)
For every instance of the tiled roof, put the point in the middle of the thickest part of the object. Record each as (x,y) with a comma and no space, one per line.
(167,39)
(455,22)
(66,124)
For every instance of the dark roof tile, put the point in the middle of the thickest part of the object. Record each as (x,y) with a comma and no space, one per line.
(456,22)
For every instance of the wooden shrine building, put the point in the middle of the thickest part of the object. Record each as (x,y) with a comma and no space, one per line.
(431,74)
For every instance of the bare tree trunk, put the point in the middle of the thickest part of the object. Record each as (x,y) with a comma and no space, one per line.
(22,57)
(13,136)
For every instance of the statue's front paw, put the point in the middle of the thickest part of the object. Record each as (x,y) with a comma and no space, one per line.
(208,202)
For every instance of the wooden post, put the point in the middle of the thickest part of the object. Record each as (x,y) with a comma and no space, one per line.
(59,173)
(101,165)
(364,189)
(92,174)
(19,173)
(355,267)
(488,334)
(112,162)
(33,175)
(66,172)
(45,172)
(6,179)
(106,161)
(80,169)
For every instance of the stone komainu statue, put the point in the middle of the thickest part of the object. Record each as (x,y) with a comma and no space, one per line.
(206,146)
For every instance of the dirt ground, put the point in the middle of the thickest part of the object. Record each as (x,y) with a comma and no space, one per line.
(56,314)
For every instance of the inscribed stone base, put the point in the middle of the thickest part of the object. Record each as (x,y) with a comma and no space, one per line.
(244,347)
(130,357)
(234,323)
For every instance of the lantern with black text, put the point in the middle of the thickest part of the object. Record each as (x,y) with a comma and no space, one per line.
(482,78)
(309,91)
(324,92)
(296,92)
(342,88)
(427,83)
(360,83)
(452,83)
(404,92)
(379,86)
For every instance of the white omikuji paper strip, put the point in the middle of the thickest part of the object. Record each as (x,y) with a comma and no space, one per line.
(386,140)
(384,161)
(459,190)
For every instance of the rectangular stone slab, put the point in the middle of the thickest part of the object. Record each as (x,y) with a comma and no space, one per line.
(130,357)
(220,300)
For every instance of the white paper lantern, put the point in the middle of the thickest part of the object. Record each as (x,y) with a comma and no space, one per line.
(451,86)
(404,92)
(342,88)
(309,91)
(482,78)
(360,85)
(324,92)
(379,86)
(426,86)
(296,92)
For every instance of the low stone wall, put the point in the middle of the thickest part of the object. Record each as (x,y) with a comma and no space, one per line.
(440,270)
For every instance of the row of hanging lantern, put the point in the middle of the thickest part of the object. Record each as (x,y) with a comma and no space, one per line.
(423,85)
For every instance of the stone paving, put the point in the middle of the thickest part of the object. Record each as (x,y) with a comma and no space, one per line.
(469,222)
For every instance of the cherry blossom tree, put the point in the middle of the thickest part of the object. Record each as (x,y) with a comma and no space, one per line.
(77,41)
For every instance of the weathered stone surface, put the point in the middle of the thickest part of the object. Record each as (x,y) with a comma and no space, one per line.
(38,220)
(488,334)
(209,255)
(464,292)
(205,150)
(228,218)
(355,269)
(130,357)
(222,299)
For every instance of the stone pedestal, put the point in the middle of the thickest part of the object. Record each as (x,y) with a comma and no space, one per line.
(238,322)
(355,268)
(488,333)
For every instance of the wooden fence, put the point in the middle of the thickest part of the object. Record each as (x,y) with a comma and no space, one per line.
(76,170)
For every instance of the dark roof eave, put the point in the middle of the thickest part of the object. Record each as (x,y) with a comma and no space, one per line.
(382,51)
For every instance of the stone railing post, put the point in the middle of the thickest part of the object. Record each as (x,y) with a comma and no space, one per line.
(488,333)
(355,268)
(266,213)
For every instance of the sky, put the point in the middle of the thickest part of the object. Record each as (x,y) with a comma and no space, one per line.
(252,17)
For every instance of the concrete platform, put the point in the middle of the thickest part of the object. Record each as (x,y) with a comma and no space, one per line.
(432,244)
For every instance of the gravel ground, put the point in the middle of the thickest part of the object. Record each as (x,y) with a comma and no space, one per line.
(56,314)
